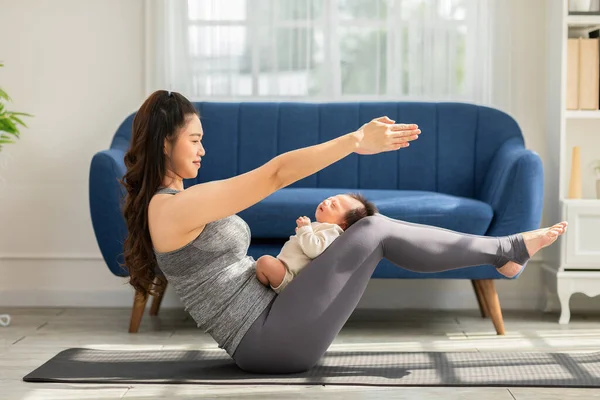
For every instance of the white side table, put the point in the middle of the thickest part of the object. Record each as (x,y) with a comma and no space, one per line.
(579,268)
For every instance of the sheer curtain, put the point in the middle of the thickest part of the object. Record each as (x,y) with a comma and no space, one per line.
(321,50)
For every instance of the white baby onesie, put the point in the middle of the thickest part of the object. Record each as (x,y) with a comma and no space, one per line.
(308,242)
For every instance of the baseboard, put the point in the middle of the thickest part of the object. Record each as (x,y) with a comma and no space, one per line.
(78,299)
(381,294)
(51,256)
(85,282)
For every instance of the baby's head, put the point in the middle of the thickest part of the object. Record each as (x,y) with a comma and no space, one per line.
(344,209)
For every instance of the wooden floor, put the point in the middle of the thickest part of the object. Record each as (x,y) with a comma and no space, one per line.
(35,335)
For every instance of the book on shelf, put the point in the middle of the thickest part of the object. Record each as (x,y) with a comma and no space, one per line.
(583,73)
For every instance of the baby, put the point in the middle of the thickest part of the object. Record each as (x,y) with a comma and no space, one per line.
(333,216)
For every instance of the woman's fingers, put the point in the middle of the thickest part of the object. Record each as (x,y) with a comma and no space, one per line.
(404,133)
(399,146)
(404,127)
(399,142)
(402,141)
(404,138)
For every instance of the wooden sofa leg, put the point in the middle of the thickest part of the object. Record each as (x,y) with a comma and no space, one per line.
(480,298)
(139,305)
(156,301)
(493,304)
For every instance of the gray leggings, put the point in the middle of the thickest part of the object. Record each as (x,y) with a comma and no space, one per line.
(296,329)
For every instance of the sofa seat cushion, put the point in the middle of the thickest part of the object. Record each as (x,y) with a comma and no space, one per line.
(275,216)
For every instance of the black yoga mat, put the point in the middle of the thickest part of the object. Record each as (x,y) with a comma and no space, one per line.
(372,368)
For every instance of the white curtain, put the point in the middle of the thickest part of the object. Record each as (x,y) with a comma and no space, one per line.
(321,50)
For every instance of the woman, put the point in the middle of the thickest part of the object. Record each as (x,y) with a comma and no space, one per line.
(199,243)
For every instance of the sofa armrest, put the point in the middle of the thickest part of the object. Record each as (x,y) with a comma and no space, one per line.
(106,196)
(514,187)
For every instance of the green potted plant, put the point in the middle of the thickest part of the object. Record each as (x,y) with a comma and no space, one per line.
(9,131)
(9,120)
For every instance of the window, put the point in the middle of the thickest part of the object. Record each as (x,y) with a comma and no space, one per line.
(330,49)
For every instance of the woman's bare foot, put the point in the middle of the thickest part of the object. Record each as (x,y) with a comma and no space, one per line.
(535,241)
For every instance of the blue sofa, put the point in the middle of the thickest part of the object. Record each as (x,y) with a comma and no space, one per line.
(469,171)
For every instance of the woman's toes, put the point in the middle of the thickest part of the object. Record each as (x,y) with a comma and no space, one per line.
(559,228)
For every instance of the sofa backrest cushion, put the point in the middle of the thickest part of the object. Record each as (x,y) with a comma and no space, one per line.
(452,154)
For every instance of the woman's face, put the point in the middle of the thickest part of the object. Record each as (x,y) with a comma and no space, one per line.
(333,209)
(183,157)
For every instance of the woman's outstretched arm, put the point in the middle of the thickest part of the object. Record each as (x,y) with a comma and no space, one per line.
(206,202)
(378,135)
(298,164)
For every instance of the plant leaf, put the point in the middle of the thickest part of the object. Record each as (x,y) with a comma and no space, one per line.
(4,95)
(5,136)
(19,113)
(9,120)
(4,127)
(6,139)
(7,125)
(15,134)
(10,124)
(18,121)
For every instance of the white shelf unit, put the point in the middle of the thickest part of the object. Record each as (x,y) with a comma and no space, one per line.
(582,114)
(584,21)
(573,264)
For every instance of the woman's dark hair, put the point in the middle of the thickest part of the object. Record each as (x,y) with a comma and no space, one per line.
(160,117)
(359,213)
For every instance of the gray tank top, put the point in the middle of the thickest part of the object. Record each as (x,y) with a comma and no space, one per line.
(216,280)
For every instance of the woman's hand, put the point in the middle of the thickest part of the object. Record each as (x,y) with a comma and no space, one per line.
(382,134)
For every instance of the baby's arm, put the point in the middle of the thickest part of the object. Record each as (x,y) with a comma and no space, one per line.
(314,243)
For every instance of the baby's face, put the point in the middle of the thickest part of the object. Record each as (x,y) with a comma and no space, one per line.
(333,209)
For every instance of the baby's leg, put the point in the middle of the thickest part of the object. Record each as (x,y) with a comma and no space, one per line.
(270,271)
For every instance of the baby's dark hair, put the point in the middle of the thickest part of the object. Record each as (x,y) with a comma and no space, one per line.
(357,214)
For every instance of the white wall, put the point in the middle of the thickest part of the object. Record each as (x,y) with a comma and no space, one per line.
(79,69)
